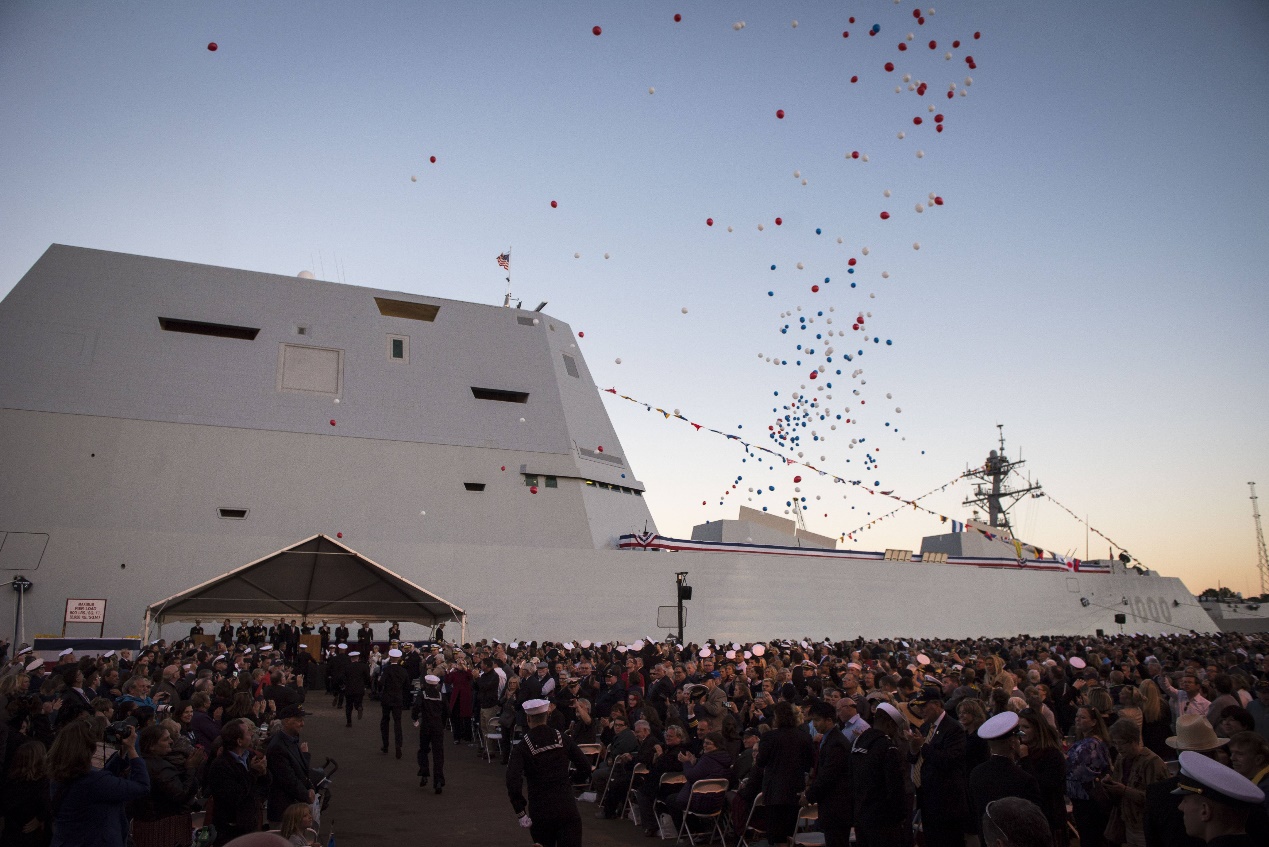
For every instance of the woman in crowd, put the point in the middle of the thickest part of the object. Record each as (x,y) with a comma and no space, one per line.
(713,763)
(28,817)
(1101,702)
(297,826)
(507,714)
(1087,762)
(1040,755)
(1156,720)
(784,754)
(162,817)
(971,716)
(1135,769)
(88,803)
(459,707)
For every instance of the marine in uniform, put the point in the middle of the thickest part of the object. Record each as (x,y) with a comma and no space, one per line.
(429,716)
(542,758)
(1000,776)
(393,681)
(1216,801)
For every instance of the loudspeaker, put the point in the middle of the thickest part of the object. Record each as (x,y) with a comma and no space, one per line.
(685,592)
(1101,633)
(1121,618)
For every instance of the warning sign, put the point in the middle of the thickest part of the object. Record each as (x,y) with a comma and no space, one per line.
(85,611)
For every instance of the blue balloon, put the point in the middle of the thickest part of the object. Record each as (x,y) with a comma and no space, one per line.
(770,293)
(889,342)
(817,231)
(850,271)
(773,267)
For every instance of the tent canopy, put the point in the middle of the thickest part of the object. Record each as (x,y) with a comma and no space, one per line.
(318,578)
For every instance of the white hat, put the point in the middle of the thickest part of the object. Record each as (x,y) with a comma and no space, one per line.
(305,646)
(515,645)
(621,648)
(536,707)
(247,650)
(355,653)
(394,653)
(731,654)
(638,645)
(706,653)
(1077,663)
(893,712)
(24,651)
(432,679)
(1211,779)
(35,664)
(342,646)
(67,651)
(585,645)
(266,648)
(568,645)
(759,649)
(999,725)
(107,654)
(922,659)
(219,658)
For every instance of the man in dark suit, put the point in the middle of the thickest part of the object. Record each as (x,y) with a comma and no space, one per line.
(939,770)
(288,761)
(830,782)
(365,636)
(341,632)
(784,757)
(1000,775)
(238,782)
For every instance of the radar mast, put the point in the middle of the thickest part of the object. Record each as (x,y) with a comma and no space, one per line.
(993,491)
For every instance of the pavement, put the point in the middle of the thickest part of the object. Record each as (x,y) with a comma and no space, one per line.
(376,798)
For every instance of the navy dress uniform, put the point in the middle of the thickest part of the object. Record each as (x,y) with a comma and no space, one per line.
(393,681)
(429,716)
(356,678)
(543,758)
(999,776)
(1216,802)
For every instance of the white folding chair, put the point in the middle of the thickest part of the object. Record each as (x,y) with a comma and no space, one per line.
(704,792)
(493,739)
(758,832)
(631,806)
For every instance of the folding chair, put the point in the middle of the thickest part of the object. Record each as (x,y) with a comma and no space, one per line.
(704,791)
(493,739)
(630,807)
(603,795)
(759,834)
(807,816)
(592,752)
(669,778)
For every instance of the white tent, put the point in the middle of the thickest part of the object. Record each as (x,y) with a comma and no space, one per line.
(316,578)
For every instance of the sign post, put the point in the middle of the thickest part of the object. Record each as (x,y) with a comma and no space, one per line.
(85,611)
(21,585)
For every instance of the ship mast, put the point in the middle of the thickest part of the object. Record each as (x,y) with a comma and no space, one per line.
(1263,555)
(993,491)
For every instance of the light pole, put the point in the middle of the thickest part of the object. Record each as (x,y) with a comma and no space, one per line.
(21,585)
(684,592)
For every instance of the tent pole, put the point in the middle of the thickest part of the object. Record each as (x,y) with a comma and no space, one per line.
(463,629)
(145,632)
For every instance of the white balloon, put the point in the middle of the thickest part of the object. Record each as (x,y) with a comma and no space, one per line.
(886,193)
(930,108)
(760,227)
(864,251)
(685,312)
(916,245)
(413,178)
(920,208)
(797,174)
(521,420)
(606,255)
(795,26)
(738,26)
(920,154)
(651,90)
(898,409)
(422,513)
(336,401)
(907,77)
(864,157)
(729,229)
(800,266)
(577,255)
(885,274)
(902,135)
(947,56)
(839,239)
(619,361)
(888,395)
(804,182)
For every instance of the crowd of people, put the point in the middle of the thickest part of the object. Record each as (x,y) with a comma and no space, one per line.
(1016,741)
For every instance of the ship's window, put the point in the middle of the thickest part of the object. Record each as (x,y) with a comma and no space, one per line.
(570,365)
(474,486)
(530,479)
(244,333)
(232,514)
(405,309)
(500,395)
(551,482)
(523,321)
(399,348)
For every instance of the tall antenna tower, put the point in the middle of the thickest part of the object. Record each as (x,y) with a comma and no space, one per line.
(1263,556)
(996,495)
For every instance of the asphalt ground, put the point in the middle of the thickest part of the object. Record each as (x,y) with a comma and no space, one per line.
(376,798)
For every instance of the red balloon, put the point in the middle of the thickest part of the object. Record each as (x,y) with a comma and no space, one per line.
(432,159)
(332,421)
(814,375)
(852,261)
(581,335)
(504,467)
(852,20)
(600,448)
(678,18)
(854,79)
(854,326)
(815,289)
(969,60)
(977,35)
(845,34)
(921,89)
(854,154)
(779,221)
(916,13)
(938,119)
(889,67)
(533,489)
(709,222)
(554,205)
(902,47)
(949,94)
(934,45)
(938,128)
(917,120)
(213,46)
(938,201)
(596,30)
(956,44)
(885,216)
(339,535)
(920,21)
(797,479)
(780,114)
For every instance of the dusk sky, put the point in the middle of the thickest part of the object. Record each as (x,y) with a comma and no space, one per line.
(1093,280)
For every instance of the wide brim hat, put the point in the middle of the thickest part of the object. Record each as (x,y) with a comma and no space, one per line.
(1193,732)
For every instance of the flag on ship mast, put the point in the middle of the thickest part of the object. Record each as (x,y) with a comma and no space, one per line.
(504,262)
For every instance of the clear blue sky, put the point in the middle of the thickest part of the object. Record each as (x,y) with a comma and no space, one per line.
(1094,280)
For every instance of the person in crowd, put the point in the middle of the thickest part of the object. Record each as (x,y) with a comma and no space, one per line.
(880,806)
(1216,801)
(971,715)
(1087,762)
(1000,776)
(1156,719)
(393,681)
(1135,769)
(237,781)
(459,705)
(1014,822)
(290,777)
(650,790)
(356,677)
(543,760)
(89,803)
(830,779)
(163,814)
(428,715)
(1249,755)
(939,770)
(1040,755)
(713,763)
(297,826)
(26,806)
(785,756)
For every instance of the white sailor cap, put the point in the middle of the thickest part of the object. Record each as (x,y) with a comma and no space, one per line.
(304,646)
(922,659)
(355,653)
(67,651)
(266,648)
(585,645)
(999,725)
(394,653)
(219,658)
(1209,778)
(432,679)
(568,645)
(108,654)
(1077,663)
(894,713)
(536,707)
(246,650)
(342,646)
(35,665)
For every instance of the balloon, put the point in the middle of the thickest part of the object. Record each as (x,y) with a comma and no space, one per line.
(332,421)
(938,201)
(521,420)
(934,45)
(533,489)
(847,35)
(854,154)
(581,335)
(815,289)
(977,35)
(780,114)
(956,43)
(920,208)
(917,120)
(685,310)
(902,47)
(938,119)
(854,79)
(801,267)
(889,67)
(738,26)
(797,479)
(916,245)
(432,159)
(619,361)
(938,128)
(709,222)
(554,204)
(778,221)
(413,178)
(213,46)
(651,90)
(577,255)
(885,216)
(851,260)
(677,18)
(504,467)
(596,30)
(339,535)
(814,375)
(600,448)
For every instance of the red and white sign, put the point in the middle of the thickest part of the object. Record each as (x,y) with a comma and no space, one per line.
(85,611)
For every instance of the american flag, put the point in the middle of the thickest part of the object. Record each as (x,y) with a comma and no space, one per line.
(504,261)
